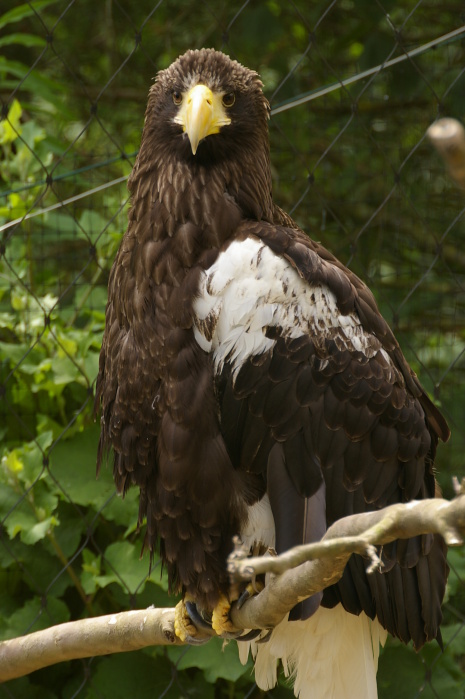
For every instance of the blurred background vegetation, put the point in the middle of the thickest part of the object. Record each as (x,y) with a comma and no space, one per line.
(356,171)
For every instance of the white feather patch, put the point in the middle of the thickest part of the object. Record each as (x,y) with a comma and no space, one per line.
(259,528)
(249,289)
(332,655)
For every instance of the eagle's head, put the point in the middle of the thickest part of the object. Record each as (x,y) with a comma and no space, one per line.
(205,140)
(206,108)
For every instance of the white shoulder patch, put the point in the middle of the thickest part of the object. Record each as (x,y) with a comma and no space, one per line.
(249,289)
(259,527)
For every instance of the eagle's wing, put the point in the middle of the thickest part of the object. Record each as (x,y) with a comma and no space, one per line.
(159,413)
(315,396)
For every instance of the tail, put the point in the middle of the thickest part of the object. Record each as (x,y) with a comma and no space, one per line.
(331,655)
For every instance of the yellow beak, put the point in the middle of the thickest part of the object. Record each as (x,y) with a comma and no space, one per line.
(201,114)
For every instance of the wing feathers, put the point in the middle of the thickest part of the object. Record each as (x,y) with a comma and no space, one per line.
(332,406)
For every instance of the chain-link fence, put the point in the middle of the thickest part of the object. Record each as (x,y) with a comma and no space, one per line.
(353,86)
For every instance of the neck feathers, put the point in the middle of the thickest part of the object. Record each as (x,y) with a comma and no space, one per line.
(169,193)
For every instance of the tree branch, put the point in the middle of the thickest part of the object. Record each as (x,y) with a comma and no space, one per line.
(305,570)
(448,136)
(301,572)
(114,633)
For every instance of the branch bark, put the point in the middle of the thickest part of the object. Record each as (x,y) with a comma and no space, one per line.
(322,564)
(114,633)
(298,573)
(448,136)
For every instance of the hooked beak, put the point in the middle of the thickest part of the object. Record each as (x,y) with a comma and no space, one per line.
(201,114)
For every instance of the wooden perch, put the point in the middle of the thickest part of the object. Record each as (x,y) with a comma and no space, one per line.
(301,572)
(113,633)
(448,136)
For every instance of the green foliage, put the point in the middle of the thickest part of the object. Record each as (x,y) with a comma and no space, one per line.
(355,171)
(217,660)
(28,9)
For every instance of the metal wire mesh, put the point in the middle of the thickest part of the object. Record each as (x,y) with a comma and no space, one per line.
(353,86)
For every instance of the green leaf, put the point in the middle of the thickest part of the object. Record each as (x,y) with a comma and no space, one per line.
(23,40)
(124,567)
(37,83)
(90,366)
(33,135)
(10,128)
(33,534)
(123,511)
(27,462)
(446,679)
(216,659)
(155,591)
(34,616)
(454,637)
(400,672)
(33,517)
(40,566)
(9,498)
(15,353)
(132,674)
(72,464)
(33,454)
(16,208)
(27,10)
(12,461)
(73,526)
(62,372)
(45,423)
(96,300)
(92,222)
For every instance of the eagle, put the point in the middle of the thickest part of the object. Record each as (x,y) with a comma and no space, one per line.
(249,387)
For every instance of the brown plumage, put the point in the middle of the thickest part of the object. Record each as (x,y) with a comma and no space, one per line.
(318,408)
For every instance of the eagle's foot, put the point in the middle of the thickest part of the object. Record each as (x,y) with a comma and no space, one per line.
(221,622)
(183,626)
(184,629)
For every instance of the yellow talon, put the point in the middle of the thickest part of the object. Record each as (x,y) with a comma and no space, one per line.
(183,626)
(221,623)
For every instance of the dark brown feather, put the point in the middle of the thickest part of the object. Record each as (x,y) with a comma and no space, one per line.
(327,429)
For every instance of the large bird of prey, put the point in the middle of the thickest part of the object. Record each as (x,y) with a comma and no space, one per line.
(250,387)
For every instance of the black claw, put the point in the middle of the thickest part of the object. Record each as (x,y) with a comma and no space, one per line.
(194,641)
(233,635)
(243,598)
(266,637)
(196,617)
(250,635)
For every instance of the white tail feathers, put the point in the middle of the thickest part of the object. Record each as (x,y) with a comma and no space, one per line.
(332,655)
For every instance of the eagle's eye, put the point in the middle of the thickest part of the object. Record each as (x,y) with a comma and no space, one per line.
(177,97)
(228,99)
